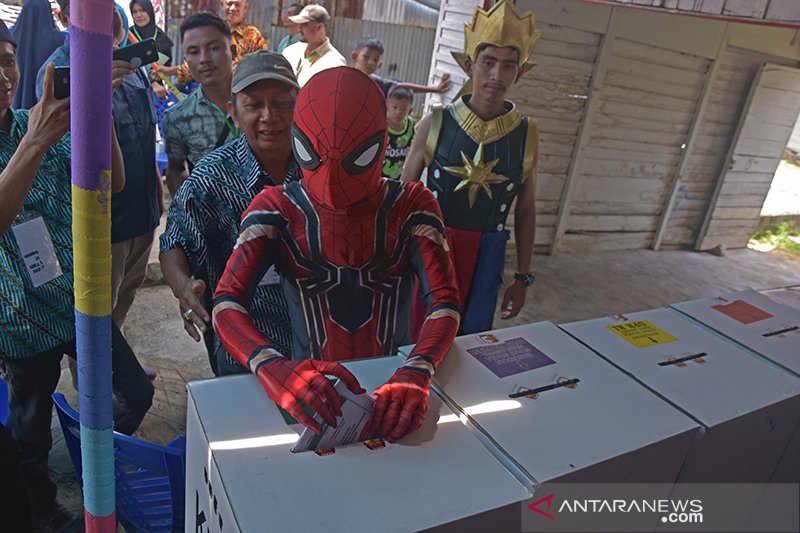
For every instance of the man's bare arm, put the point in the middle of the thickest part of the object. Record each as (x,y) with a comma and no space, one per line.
(177,172)
(178,275)
(525,223)
(524,235)
(415,160)
(441,87)
(48,121)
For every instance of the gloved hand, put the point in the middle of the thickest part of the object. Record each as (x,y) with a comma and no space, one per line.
(288,382)
(401,405)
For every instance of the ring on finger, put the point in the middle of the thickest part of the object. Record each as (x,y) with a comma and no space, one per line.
(188,315)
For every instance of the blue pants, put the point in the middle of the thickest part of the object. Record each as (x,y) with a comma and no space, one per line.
(479,313)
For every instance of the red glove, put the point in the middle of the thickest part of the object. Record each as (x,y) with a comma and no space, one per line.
(401,405)
(288,382)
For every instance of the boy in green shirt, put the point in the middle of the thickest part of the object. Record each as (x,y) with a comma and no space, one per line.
(401,130)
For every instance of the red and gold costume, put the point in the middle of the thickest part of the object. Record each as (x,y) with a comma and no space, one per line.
(347,245)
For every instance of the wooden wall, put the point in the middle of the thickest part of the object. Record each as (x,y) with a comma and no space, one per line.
(637,111)
(768,119)
(768,10)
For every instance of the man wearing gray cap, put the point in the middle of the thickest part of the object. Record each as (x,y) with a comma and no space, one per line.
(203,220)
(314,53)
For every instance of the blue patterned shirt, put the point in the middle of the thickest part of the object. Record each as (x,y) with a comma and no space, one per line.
(37,319)
(203,221)
(193,126)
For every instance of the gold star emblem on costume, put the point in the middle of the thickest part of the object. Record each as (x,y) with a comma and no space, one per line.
(476,175)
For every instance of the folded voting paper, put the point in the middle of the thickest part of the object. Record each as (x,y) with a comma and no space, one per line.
(356,410)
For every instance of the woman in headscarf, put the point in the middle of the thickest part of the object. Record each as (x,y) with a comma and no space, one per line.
(144,27)
(37,38)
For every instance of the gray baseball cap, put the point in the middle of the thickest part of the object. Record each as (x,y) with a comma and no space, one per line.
(262,65)
(311,12)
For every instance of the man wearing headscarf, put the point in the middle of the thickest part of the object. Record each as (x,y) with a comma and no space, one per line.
(37,37)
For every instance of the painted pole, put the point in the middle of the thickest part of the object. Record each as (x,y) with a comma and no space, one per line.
(90,29)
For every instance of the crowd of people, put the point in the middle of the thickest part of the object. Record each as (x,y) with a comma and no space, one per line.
(298,234)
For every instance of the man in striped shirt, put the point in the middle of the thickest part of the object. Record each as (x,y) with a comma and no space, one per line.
(203,220)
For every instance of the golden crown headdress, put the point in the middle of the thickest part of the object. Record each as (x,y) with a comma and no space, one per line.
(501,26)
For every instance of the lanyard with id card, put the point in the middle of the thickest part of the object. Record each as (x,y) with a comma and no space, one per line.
(36,248)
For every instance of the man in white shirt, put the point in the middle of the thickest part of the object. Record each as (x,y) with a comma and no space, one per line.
(314,53)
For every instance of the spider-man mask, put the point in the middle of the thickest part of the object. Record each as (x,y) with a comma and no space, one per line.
(339,136)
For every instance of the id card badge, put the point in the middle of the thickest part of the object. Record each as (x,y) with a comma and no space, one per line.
(271,277)
(37,250)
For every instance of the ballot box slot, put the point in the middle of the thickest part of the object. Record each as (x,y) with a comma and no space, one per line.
(525,392)
(780,331)
(681,361)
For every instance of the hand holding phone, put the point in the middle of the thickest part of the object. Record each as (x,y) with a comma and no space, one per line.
(61,83)
(138,54)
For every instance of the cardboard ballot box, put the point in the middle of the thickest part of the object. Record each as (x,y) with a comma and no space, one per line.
(789,469)
(749,408)
(553,409)
(241,476)
(787,295)
(765,326)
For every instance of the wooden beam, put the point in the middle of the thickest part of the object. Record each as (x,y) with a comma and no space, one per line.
(712,204)
(573,172)
(693,132)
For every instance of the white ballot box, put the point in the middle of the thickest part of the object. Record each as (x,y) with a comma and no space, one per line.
(749,408)
(765,326)
(241,476)
(551,407)
(789,469)
(787,295)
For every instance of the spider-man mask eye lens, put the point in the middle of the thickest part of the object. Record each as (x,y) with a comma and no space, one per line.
(367,153)
(303,151)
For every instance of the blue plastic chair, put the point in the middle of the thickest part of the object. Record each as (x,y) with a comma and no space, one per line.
(3,402)
(161,108)
(150,479)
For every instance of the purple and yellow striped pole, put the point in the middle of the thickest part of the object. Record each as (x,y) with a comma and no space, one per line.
(90,29)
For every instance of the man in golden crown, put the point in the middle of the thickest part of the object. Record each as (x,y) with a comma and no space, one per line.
(481,154)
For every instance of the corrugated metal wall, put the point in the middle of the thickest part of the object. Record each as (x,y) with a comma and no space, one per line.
(407,12)
(407,48)
(405,27)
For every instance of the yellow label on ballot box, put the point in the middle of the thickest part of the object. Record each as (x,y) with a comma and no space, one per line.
(641,333)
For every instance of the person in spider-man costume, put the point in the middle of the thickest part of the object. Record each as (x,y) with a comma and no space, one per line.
(347,245)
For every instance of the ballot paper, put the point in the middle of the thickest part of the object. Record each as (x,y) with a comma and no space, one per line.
(356,410)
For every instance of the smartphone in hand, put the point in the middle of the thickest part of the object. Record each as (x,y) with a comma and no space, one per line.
(61,83)
(138,54)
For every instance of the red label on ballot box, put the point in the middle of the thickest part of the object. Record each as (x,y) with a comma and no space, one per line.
(742,311)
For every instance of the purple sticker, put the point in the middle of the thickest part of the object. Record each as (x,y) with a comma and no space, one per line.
(510,357)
